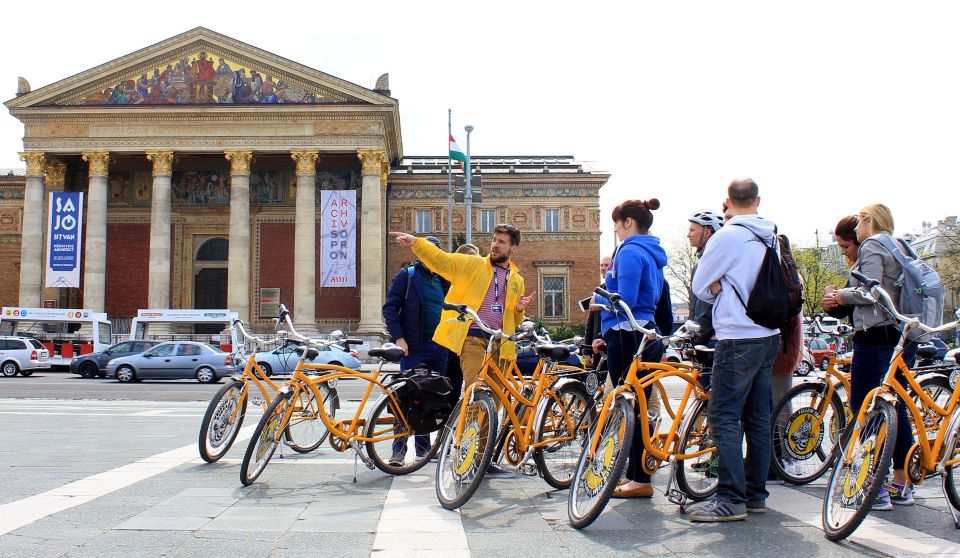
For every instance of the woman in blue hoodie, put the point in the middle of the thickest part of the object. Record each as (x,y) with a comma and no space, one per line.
(636,274)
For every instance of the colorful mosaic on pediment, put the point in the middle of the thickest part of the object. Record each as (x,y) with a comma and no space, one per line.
(419,193)
(200,79)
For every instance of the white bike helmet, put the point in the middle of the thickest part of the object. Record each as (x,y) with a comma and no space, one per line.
(707,219)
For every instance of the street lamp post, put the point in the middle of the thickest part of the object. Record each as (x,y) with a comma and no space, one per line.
(468,194)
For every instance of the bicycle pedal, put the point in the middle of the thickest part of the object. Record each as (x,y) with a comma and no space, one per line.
(528,469)
(677,497)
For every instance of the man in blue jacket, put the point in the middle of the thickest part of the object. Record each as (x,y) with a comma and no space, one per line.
(743,361)
(412,313)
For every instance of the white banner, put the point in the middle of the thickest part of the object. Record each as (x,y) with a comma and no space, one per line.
(338,238)
(64,239)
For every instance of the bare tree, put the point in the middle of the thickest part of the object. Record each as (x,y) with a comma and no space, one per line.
(682,260)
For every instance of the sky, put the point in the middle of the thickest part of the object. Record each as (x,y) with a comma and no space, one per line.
(829,106)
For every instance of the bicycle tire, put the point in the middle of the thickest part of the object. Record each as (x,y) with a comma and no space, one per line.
(951,478)
(848,498)
(558,461)
(378,424)
(697,479)
(454,482)
(802,451)
(217,433)
(306,430)
(597,484)
(265,439)
(938,388)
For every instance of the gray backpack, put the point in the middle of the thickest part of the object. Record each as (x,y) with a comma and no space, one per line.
(921,292)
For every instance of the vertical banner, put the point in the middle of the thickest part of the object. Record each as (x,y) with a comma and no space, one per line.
(65,223)
(338,238)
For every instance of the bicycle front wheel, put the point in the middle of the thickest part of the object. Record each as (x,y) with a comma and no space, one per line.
(860,471)
(265,439)
(557,460)
(463,462)
(222,421)
(697,477)
(306,430)
(806,429)
(596,477)
(403,454)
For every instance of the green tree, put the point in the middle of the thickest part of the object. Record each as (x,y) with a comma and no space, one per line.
(817,272)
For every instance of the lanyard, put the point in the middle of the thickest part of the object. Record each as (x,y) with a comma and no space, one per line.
(496,284)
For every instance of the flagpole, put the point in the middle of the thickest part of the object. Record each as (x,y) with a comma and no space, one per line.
(449,184)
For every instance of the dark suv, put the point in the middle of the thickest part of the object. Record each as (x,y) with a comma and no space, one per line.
(91,365)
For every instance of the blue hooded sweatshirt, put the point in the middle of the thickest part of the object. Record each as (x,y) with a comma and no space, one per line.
(636,274)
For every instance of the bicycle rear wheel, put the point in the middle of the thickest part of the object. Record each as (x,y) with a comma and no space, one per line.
(951,479)
(806,429)
(557,461)
(265,439)
(697,477)
(855,482)
(306,430)
(222,421)
(597,476)
(397,456)
(462,463)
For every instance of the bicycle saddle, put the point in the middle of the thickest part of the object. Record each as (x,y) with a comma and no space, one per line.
(389,354)
(927,351)
(556,353)
(311,353)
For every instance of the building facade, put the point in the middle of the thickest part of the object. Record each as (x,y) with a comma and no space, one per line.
(203,162)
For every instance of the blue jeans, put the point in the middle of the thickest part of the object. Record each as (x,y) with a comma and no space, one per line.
(869,367)
(432,357)
(621,346)
(740,394)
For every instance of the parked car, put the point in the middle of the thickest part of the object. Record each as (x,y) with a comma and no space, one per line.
(820,350)
(939,351)
(173,360)
(22,355)
(283,360)
(94,364)
(806,362)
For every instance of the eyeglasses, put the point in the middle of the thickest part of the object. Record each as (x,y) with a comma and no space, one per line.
(514,232)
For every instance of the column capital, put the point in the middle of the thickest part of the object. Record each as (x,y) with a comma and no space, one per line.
(99,162)
(239,162)
(371,160)
(384,172)
(306,161)
(162,162)
(54,173)
(34,160)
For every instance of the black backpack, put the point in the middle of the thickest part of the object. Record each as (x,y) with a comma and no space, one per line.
(792,275)
(769,304)
(426,399)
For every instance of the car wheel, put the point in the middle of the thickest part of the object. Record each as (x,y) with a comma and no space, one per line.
(803,369)
(335,363)
(266,368)
(206,375)
(10,369)
(88,370)
(126,374)
(824,364)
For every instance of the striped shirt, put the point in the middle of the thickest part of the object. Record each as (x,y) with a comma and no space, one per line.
(496,296)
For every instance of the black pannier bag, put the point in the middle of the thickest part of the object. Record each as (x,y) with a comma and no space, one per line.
(426,399)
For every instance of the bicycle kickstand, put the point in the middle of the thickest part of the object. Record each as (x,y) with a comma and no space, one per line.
(953,511)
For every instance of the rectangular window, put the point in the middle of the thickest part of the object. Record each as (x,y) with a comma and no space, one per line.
(487,220)
(553,297)
(424,221)
(552,220)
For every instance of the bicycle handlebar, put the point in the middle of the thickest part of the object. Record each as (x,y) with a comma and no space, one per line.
(618,305)
(465,311)
(337,340)
(877,294)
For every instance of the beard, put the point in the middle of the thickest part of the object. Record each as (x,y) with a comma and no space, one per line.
(499,260)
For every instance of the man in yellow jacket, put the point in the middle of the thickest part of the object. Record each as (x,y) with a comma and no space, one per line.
(490,285)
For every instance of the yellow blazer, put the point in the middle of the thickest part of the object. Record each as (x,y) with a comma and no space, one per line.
(470,277)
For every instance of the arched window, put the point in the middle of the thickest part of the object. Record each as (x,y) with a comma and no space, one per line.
(213,250)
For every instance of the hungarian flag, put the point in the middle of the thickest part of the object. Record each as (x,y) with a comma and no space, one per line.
(456,153)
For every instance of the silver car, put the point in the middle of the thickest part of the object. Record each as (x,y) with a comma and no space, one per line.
(173,360)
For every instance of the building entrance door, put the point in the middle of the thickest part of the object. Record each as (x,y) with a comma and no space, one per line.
(210,283)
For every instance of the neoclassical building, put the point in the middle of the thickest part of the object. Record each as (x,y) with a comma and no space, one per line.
(203,161)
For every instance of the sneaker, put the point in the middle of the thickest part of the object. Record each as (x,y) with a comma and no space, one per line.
(719,511)
(900,495)
(756,506)
(397,459)
(882,501)
(496,471)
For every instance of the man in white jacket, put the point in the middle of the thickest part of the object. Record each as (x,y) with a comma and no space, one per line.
(743,362)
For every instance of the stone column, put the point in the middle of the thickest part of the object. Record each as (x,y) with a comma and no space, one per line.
(158,289)
(31,243)
(305,242)
(95,247)
(238,258)
(372,255)
(54,174)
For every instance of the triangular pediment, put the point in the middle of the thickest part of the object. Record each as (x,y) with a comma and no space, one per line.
(199,67)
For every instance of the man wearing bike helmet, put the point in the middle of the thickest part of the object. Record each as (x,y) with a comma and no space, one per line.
(703,225)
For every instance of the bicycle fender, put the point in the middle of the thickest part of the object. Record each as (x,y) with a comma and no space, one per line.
(952,428)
